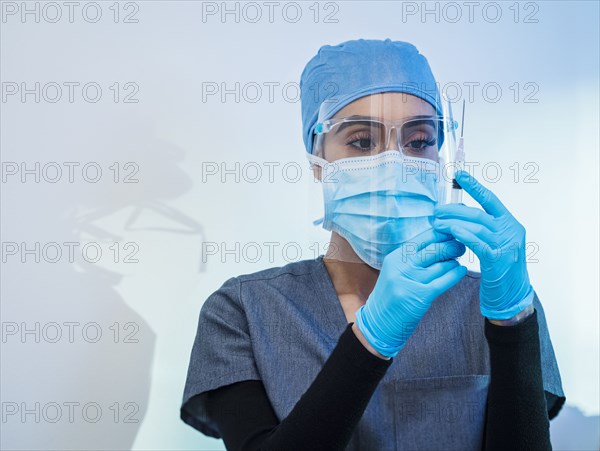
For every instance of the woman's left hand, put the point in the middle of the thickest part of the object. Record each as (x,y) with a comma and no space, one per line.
(498,240)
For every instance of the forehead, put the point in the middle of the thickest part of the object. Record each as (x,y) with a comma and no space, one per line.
(389,105)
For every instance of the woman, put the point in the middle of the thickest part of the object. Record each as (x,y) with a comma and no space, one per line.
(301,357)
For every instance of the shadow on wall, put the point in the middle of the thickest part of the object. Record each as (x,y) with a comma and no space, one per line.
(82,378)
(571,430)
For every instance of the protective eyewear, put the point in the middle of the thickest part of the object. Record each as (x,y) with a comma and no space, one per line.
(417,136)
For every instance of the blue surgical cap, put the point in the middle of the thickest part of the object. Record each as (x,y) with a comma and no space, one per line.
(354,69)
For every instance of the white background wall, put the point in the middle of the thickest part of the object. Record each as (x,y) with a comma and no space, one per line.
(543,56)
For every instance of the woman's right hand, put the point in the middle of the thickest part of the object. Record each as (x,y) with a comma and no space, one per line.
(411,277)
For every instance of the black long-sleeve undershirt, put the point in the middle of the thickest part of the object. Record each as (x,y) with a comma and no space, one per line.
(517,414)
(325,417)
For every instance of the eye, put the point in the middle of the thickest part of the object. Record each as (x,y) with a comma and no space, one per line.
(362,141)
(420,143)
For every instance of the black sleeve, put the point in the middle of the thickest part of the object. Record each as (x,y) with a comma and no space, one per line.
(554,403)
(517,414)
(325,416)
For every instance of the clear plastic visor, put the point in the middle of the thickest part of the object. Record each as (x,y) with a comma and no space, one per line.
(377,123)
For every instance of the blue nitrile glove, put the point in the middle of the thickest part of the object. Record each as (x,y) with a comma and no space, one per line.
(498,240)
(411,277)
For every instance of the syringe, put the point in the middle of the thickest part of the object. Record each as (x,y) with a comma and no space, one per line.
(459,159)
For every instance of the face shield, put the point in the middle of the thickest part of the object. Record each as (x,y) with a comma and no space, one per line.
(451,155)
(382,160)
(398,123)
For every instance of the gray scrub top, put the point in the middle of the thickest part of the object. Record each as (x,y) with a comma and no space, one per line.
(281,324)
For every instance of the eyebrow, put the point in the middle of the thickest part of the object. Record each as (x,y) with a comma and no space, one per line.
(370,118)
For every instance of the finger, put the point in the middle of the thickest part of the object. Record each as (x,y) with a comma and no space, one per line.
(464,213)
(481,194)
(422,240)
(447,280)
(437,252)
(481,232)
(437,270)
(463,235)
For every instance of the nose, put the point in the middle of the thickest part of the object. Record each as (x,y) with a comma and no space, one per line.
(392,139)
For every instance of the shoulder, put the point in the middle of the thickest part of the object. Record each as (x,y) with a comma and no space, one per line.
(293,269)
(294,276)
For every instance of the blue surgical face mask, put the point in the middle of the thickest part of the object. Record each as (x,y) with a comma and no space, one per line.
(379,202)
